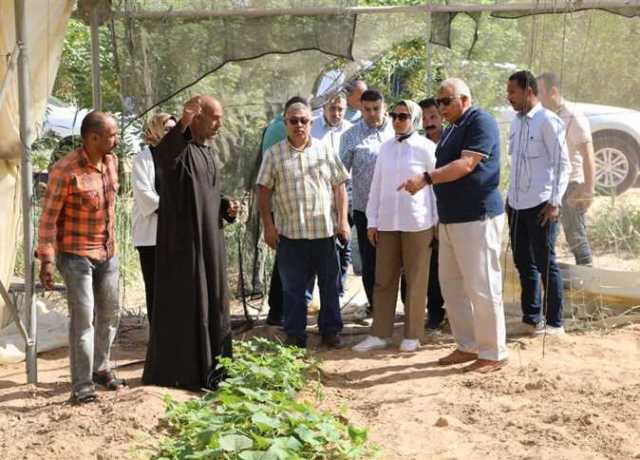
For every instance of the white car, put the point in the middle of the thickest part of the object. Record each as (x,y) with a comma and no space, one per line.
(65,120)
(616,143)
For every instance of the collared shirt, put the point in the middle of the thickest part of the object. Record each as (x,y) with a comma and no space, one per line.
(78,215)
(475,196)
(392,210)
(540,164)
(144,216)
(352,115)
(302,182)
(323,131)
(274,133)
(358,151)
(578,133)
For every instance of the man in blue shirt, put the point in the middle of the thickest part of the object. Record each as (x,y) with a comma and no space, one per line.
(359,149)
(471,212)
(540,169)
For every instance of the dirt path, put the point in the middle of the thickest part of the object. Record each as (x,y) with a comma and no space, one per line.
(581,401)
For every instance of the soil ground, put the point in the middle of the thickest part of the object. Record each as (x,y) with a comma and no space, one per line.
(576,397)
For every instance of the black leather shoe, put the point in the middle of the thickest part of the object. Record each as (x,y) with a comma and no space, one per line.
(292,341)
(274,321)
(331,340)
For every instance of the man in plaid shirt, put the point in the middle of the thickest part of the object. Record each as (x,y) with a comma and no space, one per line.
(77,230)
(306,179)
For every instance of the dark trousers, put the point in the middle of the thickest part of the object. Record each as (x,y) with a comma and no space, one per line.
(435,302)
(435,311)
(367,254)
(534,255)
(299,262)
(148,265)
(344,256)
(276,297)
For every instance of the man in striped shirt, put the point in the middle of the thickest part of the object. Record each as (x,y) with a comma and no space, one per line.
(77,230)
(306,179)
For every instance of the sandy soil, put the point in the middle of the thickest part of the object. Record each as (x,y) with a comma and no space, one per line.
(580,400)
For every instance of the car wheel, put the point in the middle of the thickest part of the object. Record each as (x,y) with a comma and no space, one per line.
(616,163)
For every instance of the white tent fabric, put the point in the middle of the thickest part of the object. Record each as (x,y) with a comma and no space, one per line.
(46,26)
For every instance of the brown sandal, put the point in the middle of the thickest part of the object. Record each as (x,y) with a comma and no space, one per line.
(108,380)
(457,357)
(485,366)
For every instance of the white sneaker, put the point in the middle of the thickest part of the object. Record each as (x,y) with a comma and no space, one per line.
(536,329)
(409,345)
(552,330)
(370,343)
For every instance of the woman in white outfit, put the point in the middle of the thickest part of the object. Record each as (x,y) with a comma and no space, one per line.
(146,185)
(401,227)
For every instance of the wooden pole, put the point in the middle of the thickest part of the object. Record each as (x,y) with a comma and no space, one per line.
(524,8)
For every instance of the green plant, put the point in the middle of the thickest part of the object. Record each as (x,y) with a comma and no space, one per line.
(255,414)
(616,228)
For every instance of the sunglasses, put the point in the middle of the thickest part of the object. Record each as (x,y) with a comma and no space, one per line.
(298,121)
(445,100)
(399,116)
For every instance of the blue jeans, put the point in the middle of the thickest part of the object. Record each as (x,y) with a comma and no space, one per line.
(367,254)
(534,255)
(344,256)
(92,297)
(299,261)
(575,229)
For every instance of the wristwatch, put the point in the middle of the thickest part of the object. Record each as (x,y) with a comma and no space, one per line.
(427,178)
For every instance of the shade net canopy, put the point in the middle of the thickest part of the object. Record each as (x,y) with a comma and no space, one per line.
(167,51)
(254,55)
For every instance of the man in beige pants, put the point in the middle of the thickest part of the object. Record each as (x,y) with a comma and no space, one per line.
(471,213)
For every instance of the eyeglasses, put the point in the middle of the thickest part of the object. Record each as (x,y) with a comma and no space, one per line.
(445,100)
(298,121)
(399,116)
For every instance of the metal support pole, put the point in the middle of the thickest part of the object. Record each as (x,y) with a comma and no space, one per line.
(95,59)
(429,69)
(26,137)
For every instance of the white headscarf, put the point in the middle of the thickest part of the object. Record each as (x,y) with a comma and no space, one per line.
(416,118)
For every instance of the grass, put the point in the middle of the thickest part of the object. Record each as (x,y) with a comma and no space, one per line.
(255,414)
(616,228)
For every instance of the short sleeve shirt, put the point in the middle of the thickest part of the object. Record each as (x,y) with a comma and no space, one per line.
(475,196)
(578,133)
(302,182)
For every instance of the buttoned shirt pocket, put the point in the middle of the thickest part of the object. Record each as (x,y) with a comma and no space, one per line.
(87,194)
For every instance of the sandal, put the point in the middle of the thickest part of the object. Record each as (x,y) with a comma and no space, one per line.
(108,380)
(84,397)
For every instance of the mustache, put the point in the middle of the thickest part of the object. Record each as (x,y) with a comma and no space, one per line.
(431,127)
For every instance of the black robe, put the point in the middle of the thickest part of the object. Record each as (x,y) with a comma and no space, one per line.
(190,328)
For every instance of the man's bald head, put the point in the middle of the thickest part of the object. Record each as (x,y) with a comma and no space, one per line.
(354,90)
(95,122)
(206,124)
(99,133)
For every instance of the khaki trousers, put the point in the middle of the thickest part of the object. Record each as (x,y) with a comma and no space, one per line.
(395,252)
(471,282)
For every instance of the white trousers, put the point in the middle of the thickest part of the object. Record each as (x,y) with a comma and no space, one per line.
(471,283)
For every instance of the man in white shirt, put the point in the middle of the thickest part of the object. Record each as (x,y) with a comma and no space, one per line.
(579,194)
(329,127)
(539,176)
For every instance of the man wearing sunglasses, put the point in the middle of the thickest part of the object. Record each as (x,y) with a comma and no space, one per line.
(358,151)
(471,212)
(306,180)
